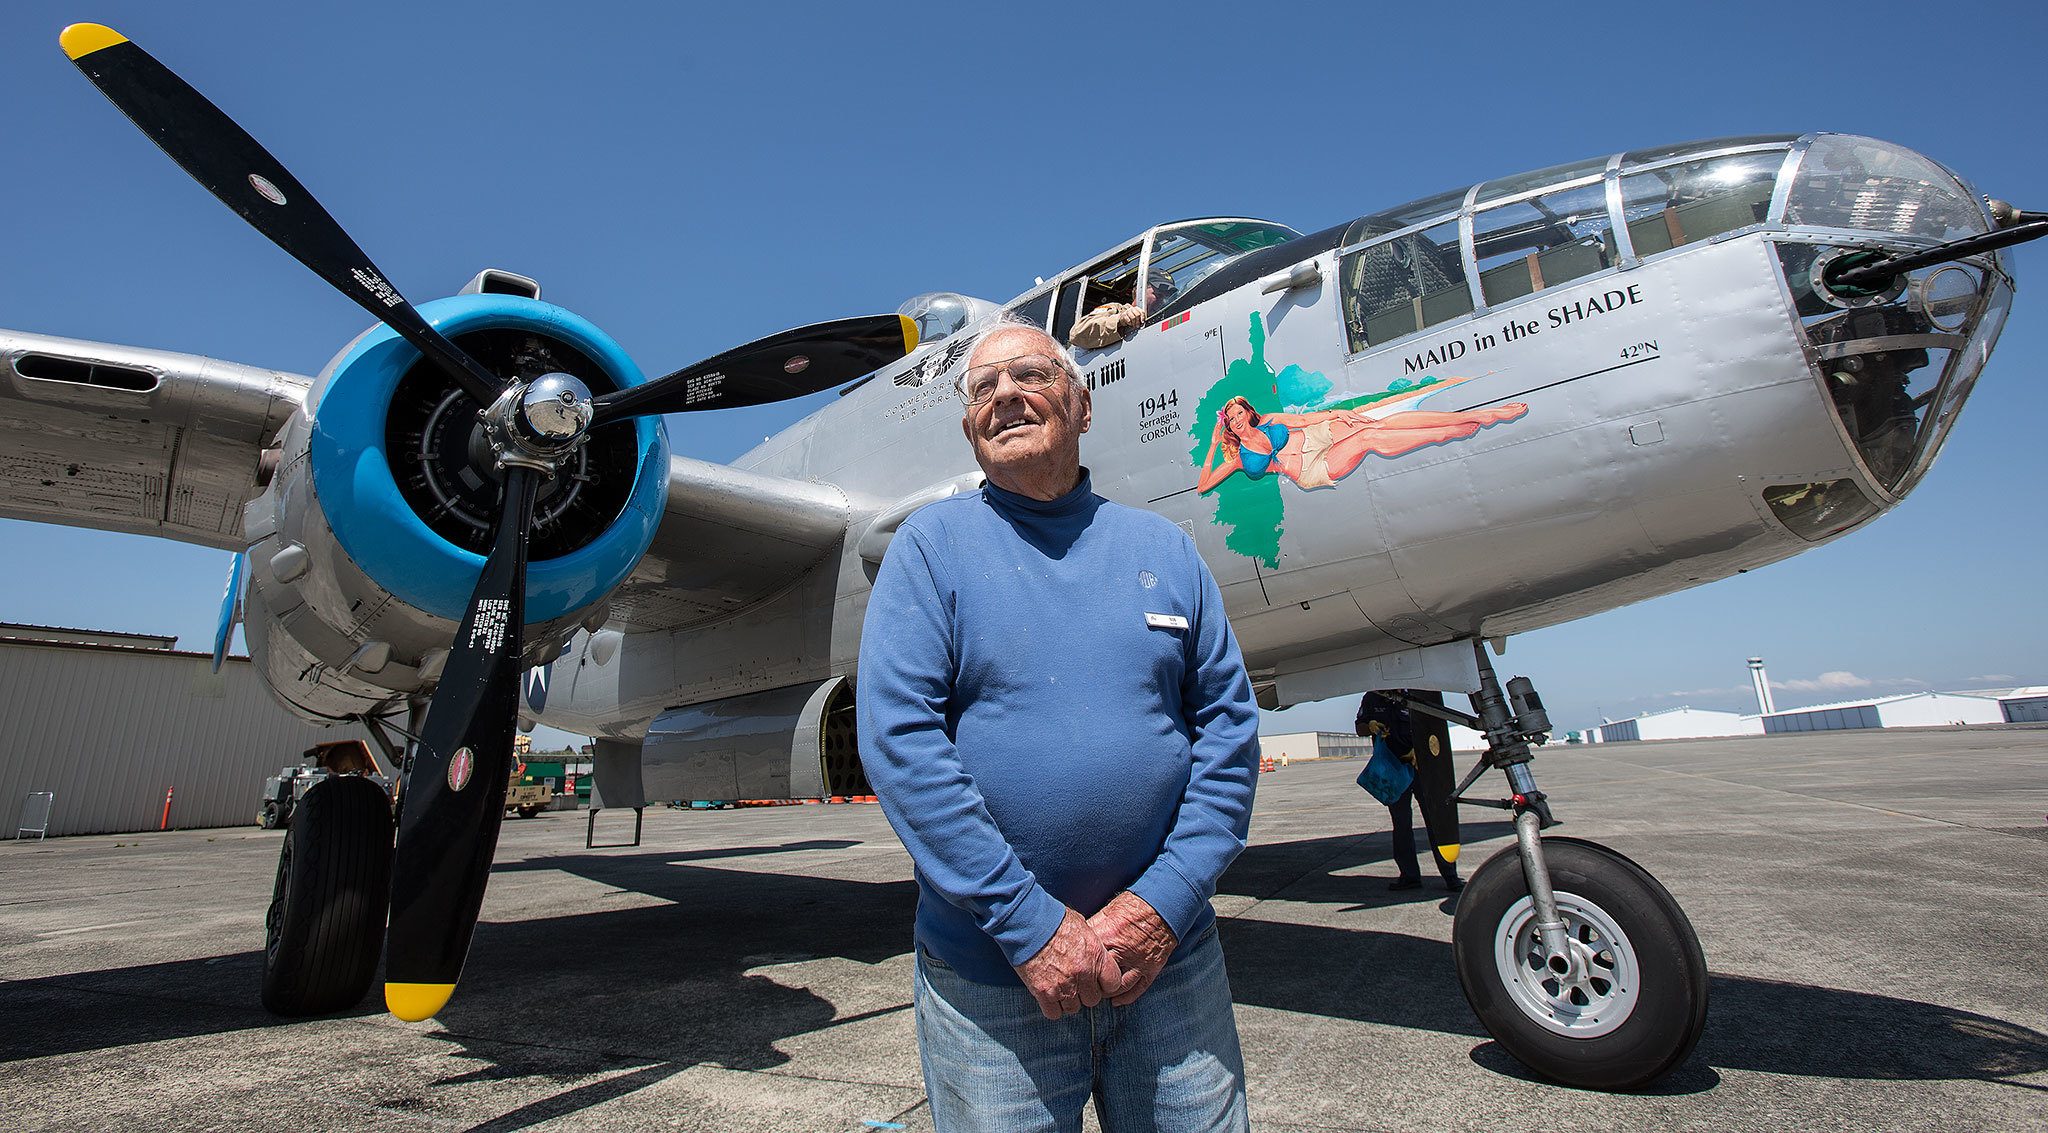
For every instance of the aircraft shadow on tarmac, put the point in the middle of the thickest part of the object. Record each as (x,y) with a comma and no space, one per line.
(1320,870)
(663,987)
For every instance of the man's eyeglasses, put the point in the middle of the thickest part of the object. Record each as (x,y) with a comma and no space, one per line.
(1028,371)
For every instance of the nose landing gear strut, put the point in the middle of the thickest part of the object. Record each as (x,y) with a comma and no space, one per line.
(1574,958)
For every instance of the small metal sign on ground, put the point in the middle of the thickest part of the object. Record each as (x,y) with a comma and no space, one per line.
(35,815)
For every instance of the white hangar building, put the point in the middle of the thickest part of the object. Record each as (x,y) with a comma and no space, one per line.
(1679,724)
(2027,705)
(110,722)
(1294,747)
(1909,710)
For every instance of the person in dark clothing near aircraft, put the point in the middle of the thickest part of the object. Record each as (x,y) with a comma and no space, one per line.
(1385,715)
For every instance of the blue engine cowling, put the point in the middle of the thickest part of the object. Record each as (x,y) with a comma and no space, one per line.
(367,544)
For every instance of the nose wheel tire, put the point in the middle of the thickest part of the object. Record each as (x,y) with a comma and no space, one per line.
(1623,1008)
(325,927)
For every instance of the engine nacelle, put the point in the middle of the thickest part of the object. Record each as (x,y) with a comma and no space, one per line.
(787,743)
(367,543)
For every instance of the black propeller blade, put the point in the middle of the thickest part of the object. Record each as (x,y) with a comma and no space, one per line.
(455,788)
(220,155)
(789,364)
(235,168)
(455,785)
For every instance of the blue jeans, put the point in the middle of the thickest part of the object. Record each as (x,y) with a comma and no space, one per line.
(1168,1063)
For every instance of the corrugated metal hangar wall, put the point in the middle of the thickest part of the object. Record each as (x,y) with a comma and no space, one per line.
(110,728)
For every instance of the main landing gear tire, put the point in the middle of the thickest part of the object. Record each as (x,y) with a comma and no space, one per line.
(325,927)
(1643,1002)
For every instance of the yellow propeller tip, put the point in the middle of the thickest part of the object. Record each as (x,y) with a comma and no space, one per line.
(1449,853)
(909,333)
(416,1003)
(81,40)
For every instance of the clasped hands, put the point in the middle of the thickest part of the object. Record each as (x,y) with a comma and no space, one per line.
(1113,955)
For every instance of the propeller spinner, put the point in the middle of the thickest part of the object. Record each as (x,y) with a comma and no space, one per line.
(455,782)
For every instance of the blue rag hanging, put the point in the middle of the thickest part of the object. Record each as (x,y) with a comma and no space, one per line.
(1386,777)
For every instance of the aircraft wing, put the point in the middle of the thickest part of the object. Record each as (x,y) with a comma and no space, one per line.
(727,539)
(147,442)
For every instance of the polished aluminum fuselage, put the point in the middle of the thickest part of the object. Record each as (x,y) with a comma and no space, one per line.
(1689,402)
(1661,401)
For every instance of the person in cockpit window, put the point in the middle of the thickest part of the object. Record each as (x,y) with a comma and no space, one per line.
(1111,321)
(1159,291)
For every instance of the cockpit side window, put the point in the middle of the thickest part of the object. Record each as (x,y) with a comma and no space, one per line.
(1673,205)
(1066,309)
(1036,310)
(1400,286)
(1402,271)
(1114,280)
(1542,241)
(1186,255)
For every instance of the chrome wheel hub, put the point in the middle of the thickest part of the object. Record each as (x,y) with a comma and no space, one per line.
(1593,990)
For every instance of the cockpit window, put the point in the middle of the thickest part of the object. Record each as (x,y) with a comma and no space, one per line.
(1036,310)
(1539,230)
(1393,220)
(1114,280)
(1185,255)
(1399,286)
(1542,241)
(1691,201)
(1555,175)
(1710,145)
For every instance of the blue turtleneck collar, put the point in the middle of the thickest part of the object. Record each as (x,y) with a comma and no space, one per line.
(1069,504)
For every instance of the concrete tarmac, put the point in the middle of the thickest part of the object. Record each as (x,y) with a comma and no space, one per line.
(1870,903)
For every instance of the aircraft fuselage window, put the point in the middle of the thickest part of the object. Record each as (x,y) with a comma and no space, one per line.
(1186,255)
(1692,201)
(1526,238)
(1541,242)
(1400,286)
(1429,208)
(1066,310)
(1556,175)
(1113,281)
(1036,309)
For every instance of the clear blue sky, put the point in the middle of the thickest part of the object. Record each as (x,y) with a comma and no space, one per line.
(690,176)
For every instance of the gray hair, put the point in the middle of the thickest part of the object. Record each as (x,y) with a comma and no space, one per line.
(1010,320)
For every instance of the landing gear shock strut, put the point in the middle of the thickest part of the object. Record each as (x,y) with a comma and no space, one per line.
(1574,958)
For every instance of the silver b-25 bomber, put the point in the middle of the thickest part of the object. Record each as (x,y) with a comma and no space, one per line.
(1393,440)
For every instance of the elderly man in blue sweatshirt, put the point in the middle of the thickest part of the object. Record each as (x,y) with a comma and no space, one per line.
(1057,721)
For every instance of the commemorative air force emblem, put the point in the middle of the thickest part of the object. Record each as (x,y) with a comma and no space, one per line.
(459,767)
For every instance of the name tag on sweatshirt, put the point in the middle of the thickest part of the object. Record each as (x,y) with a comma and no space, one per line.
(1166,621)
